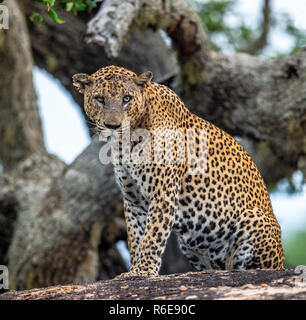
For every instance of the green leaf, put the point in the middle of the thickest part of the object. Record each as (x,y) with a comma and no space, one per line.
(69,6)
(80,6)
(36,16)
(51,2)
(91,4)
(53,15)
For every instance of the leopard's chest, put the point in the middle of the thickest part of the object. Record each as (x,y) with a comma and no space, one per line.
(134,183)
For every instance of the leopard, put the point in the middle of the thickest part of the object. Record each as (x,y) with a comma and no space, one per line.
(203,186)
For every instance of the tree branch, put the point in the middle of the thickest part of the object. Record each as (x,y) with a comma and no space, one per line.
(115,19)
(262,99)
(262,40)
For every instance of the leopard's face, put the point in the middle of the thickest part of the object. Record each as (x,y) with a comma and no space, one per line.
(113,96)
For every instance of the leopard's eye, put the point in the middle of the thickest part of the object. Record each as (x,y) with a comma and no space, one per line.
(127,98)
(100,99)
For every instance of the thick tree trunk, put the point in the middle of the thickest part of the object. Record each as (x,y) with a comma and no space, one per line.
(264,100)
(58,237)
(20,128)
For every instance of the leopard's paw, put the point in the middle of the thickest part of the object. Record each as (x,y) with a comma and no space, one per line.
(134,273)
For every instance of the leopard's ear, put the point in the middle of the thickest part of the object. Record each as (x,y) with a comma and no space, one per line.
(143,79)
(80,80)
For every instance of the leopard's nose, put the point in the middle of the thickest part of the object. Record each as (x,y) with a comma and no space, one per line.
(112,126)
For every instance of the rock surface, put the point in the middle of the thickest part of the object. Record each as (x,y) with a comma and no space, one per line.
(208,285)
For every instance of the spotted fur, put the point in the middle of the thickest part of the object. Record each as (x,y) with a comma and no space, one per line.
(222,215)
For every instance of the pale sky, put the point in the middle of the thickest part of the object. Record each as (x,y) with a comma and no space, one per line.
(66,134)
(63,125)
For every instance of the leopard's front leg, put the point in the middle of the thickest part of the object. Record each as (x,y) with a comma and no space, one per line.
(135,218)
(158,227)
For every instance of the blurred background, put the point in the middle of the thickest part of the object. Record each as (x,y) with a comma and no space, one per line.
(266,29)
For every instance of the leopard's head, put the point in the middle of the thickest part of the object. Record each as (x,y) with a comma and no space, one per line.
(113,96)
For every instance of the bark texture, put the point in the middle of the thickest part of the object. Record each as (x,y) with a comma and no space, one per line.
(264,100)
(209,285)
(57,239)
(20,128)
(177,18)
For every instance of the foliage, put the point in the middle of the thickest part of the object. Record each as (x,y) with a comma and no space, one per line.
(297,34)
(295,253)
(214,15)
(52,6)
